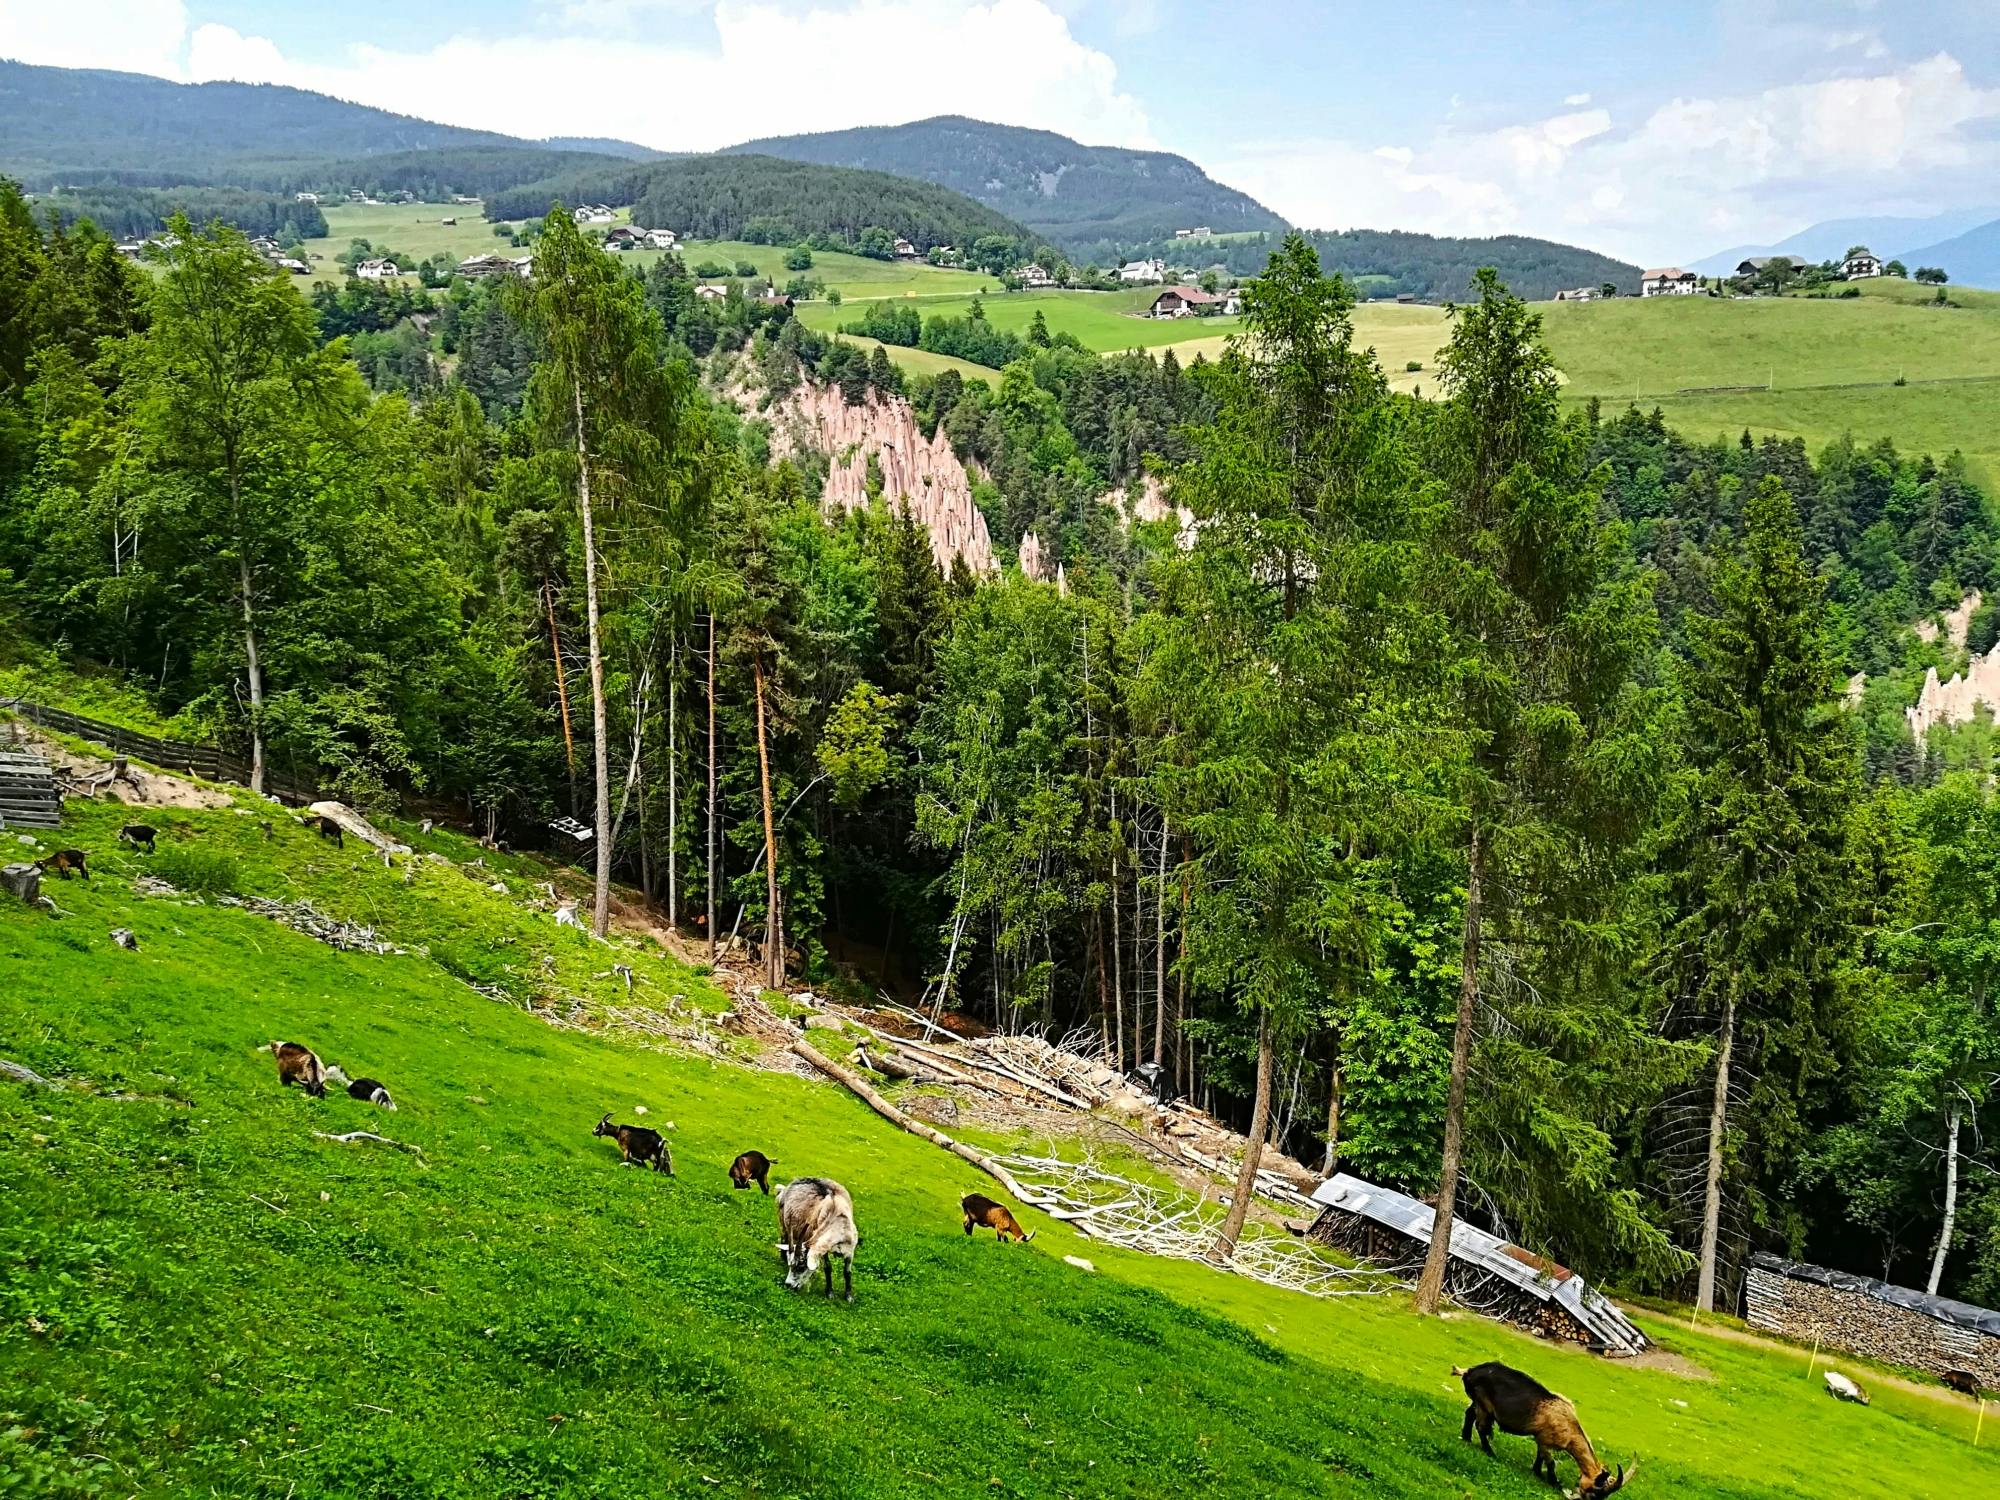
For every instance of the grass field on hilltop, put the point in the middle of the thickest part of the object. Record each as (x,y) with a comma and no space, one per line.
(197,1296)
(1105,322)
(1830,364)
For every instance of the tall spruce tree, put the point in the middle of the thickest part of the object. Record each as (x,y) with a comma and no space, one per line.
(1762,881)
(1273,668)
(1547,619)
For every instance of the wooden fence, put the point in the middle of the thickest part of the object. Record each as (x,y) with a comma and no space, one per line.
(204,761)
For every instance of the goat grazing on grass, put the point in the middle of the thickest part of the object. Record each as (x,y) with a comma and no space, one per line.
(330,831)
(751,1166)
(982,1211)
(139,836)
(370,1091)
(1522,1405)
(63,861)
(636,1143)
(816,1220)
(1963,1381)
(300,1065)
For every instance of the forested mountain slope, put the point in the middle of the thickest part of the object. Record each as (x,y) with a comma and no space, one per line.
(67,124)
(1081,198)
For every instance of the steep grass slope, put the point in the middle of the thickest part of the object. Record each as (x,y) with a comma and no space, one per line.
(198,1296)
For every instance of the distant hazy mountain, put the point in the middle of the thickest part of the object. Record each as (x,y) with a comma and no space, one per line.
(67,125)
(1971,258)
(1890,238)
(1083,198)
(600,145)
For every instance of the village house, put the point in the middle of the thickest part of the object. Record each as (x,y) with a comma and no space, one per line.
(1579,294)
(660,239)
(1183,302)
(1032,275)
(592,213)
(292,264)
(1669,281)
(463,199)
(623,238)
(1143,271)
(377,270)
(1232,302)
(905,250)
(1756,264)
(1861,265)
(475,266)
(711,291)
(305,197)
(1199,232)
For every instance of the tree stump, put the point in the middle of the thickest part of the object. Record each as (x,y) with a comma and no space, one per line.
(24,881)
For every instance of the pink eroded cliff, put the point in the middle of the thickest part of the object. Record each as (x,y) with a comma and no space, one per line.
(1150,504)
(924,475)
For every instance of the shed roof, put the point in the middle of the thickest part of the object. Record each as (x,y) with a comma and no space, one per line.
(1540,1278)
(1959,1314)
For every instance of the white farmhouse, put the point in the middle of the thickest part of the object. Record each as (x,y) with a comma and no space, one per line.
(1862,264)
(377,270)
(1143,272)
(1669,281)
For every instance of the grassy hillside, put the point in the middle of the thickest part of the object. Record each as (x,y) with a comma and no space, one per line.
(1813,367)
(201,1297)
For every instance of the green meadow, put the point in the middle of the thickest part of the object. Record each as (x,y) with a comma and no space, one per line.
(201,1296)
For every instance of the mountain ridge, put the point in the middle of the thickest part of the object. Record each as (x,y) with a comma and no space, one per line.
(1088,200)
(1892,237)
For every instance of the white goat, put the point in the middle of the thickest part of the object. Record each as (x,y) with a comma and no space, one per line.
(816,1219)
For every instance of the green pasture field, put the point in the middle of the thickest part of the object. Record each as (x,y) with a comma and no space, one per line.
(200,1295)
(1105,322)
(1810,367)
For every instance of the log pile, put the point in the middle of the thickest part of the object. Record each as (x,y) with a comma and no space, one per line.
(1851,1320)
(302,916)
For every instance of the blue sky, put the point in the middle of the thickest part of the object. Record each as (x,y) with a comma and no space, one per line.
(1655,131)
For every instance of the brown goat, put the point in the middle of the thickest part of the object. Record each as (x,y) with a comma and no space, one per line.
(751,1166)
(330,830)
(1522,1405)
(1963,1381)
(981,1211)
(300,1065)
(636,1143)
(63,861)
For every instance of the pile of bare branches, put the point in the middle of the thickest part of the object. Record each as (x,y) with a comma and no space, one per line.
(1160,1221)
(302,916)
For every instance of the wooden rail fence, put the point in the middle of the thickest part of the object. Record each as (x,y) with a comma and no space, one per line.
(204,761)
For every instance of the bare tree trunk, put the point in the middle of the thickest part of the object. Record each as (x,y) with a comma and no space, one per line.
(774,920)
(1117,957)
(1950,1199)
(711,789)
(1138,928)
(1253,1150)
(1430,1286)
(600,911)
(562,691)
(1332,1112)
(673,784)
(252,665)
(1718,1126)
(1160,950)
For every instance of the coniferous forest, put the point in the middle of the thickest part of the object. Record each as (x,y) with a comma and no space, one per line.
(1503,800)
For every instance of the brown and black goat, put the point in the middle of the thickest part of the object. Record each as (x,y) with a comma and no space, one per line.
(982,1212)
(330,831)
(816,1222)
(63,861)
(1520,1404)
(636,1143)
(751,1166)
(300,1065)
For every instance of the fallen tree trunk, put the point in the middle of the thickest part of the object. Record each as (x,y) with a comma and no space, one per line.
(856,1086)
(368,1135)
(24,1075)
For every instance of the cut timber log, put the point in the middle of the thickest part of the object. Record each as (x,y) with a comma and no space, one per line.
(24,881)
(854,1085)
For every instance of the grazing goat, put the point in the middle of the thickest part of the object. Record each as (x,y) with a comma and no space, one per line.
(1522,1405)
(63,861)
(1841,1388)
(370,1091)
(981,1210)
(330,830)
(636,1143)
(300,1065)
(1963,1381)
(816,1219)
(751,1166)
(138,835)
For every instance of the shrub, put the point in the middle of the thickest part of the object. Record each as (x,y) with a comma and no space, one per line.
(202,872)
(708,270)
(798,258)
(1414,365)
(746,268)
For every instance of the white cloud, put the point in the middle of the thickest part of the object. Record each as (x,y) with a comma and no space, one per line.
(1748,167)
(135,36)
(1575,99)
(667,73)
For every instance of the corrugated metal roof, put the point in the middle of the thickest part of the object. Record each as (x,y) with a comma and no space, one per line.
(1469,1243)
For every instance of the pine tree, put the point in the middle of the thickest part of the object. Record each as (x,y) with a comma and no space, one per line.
(1762,882)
